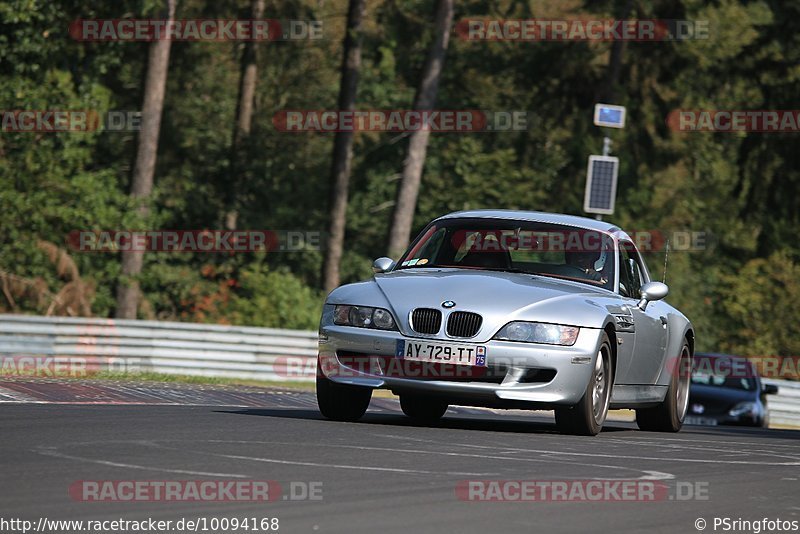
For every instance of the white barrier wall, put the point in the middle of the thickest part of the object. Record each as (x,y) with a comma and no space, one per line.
(163,347)
(784,408)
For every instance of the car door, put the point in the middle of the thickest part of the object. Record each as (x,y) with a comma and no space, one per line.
(650,325)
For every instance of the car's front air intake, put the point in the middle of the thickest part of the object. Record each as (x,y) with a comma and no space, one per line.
(463,324)
(426,320)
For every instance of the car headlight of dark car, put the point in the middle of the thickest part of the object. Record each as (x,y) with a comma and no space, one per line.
(550,334)
(364,317)
(744,408)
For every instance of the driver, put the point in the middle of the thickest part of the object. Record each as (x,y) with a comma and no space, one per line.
(587,262)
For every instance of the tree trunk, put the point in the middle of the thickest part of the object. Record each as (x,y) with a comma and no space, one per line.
(244,116)
(607,93)
(247,82)
(406,202)
(343,147)
(128,293)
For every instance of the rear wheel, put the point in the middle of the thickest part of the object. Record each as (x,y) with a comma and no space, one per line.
(668,416)
(341,402)
(587,417)
(422,409)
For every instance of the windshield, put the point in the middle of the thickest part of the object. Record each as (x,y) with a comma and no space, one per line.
(707,378)
(544,249)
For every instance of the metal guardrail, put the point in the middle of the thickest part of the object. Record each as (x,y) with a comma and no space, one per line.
(784,408)
(162,347)
(210,350)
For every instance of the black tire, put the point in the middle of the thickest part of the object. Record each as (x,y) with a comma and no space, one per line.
(582,419)
(764,423)
(341,402)
(668,416)
(422,409)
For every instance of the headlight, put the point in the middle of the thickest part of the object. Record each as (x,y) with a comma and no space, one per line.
(550,334)
(743,408)
(364,317)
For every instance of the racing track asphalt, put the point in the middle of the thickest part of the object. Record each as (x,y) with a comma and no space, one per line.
(382,474)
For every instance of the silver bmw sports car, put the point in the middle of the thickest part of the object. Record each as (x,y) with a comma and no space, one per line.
(510,309)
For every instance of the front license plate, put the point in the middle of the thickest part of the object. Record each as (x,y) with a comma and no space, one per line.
(432,351)
(706,421)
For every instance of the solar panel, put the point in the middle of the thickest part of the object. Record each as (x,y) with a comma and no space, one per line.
(601,184)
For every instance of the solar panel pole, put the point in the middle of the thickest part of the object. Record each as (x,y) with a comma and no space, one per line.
(601,174)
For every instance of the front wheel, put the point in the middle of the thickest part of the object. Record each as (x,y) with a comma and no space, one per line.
(587,417)
(341,402)
(668,416)
(764,423)
(422,409)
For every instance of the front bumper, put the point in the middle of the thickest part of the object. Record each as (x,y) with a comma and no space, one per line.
(560,374)
(725,419)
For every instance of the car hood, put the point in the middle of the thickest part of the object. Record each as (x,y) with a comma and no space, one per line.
(720,395)
(499,297)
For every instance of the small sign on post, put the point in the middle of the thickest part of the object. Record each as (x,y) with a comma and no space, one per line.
(609,116)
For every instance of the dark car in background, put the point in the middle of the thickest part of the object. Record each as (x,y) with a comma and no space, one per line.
(726,390)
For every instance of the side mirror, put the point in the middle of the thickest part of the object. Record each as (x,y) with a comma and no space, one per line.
(381,265)
(769,389)
(652,291)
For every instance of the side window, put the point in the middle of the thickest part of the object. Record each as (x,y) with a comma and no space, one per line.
(636,276)
(630,271)
(625,285)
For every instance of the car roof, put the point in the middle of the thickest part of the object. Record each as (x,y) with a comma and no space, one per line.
(538,216)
